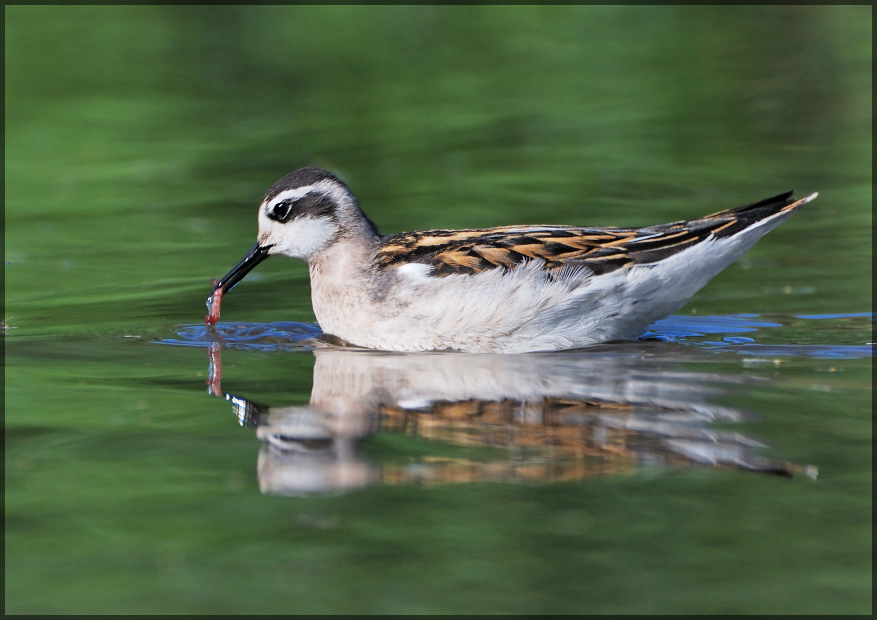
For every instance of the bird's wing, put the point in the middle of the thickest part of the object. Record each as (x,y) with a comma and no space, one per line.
(601,250)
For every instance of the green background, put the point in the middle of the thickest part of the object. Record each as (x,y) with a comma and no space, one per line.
(139,141)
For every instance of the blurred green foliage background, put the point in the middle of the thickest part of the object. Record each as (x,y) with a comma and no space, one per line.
(139,141)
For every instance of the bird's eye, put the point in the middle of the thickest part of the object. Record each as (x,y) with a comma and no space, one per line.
(281,211)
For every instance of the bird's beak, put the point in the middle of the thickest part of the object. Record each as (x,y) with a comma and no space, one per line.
(255,256)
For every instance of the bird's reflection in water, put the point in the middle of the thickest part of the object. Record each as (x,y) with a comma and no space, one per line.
(545,417)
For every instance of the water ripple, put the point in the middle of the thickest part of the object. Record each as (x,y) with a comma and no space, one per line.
(291,336)
(278,336)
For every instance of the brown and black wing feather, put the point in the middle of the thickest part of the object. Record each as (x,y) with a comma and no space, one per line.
(599,249)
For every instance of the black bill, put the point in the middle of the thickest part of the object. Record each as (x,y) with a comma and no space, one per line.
(253,258)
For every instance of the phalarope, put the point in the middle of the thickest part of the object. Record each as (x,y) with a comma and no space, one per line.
(506,290)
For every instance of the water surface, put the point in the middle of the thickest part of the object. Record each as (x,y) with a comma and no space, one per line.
(722,464)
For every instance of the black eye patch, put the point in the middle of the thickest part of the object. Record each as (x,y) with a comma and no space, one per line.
(281,211)
(316,205)
(311,205)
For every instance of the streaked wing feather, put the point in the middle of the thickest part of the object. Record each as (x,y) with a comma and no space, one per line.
(599,249)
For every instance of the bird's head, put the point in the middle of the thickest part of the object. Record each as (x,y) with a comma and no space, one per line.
(302,214)
(307,211)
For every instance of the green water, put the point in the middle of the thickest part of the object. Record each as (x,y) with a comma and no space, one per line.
(139,141)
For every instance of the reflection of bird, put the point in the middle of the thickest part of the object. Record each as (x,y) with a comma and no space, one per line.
(562,416)
(509,289)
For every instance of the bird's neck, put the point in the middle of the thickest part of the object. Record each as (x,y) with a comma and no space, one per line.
(342,279)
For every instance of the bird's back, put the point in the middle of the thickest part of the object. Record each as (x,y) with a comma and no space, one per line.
(600,250)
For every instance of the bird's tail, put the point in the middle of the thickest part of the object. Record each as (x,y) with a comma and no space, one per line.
(741,218)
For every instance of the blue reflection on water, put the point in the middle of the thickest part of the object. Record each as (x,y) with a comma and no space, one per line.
(291,336)
(683,328)
(278,336)
(675,327)
(834,316)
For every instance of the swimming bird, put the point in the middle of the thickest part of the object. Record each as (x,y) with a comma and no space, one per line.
(498,290)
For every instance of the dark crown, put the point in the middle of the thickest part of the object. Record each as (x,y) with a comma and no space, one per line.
(300,178)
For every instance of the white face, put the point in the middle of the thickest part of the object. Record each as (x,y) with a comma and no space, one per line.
(302,221)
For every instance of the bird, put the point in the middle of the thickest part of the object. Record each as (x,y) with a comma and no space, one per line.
(510,289)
